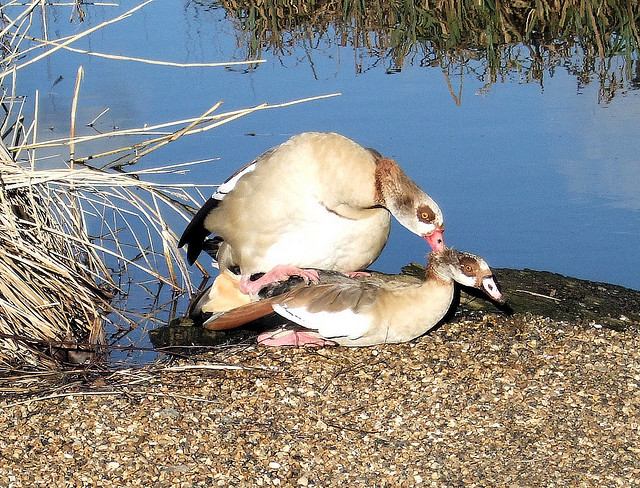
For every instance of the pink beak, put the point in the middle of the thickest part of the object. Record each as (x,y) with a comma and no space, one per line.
(435,240)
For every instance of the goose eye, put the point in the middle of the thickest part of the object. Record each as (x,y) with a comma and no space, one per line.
(425,214)
(467,269)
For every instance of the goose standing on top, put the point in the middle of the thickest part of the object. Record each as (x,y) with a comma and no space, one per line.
(319,200)
(367,310)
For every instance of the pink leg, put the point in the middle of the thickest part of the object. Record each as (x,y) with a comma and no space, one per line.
(297,338)
(278,273)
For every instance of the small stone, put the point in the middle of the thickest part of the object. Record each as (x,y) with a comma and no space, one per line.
(274,465)
(170,413)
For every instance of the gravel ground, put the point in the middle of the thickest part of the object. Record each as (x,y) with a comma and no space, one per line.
(505,402)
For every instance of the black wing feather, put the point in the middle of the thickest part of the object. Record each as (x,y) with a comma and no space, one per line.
(195,233)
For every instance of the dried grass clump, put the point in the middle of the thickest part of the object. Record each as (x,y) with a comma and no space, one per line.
(54,286)
(65,234)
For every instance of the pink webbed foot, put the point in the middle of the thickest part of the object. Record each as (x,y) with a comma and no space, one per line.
(278,273)
(297,338)
(358,274)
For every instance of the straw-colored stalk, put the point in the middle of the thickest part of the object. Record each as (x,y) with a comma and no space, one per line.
(52,286)
(57,280)
(67,233)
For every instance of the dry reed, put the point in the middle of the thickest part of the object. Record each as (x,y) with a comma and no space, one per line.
(72,238)
(54,286)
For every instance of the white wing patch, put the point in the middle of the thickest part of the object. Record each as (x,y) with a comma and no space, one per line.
(230,184)
(345,323)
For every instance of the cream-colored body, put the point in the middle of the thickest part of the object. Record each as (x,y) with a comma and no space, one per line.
(311,202)
(317,201)
(221,296)
(391,314)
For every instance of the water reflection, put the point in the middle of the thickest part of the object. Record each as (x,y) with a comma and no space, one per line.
(604,168)
(520,40)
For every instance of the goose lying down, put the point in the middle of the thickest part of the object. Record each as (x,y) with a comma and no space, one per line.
(367,310)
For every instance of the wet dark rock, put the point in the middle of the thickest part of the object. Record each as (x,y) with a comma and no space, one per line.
(564,298)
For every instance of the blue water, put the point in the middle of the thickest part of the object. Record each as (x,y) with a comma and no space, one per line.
(534,176)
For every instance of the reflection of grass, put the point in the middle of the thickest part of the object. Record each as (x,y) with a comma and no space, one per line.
(522,37)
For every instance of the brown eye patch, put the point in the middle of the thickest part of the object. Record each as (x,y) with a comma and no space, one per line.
(425,214)
(468,266)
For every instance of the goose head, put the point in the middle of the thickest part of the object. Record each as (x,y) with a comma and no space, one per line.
(421,215)
(428,222)
(465,268)
(406,201)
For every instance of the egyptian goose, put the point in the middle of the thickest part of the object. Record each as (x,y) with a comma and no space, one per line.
(367,310)
(319,200)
